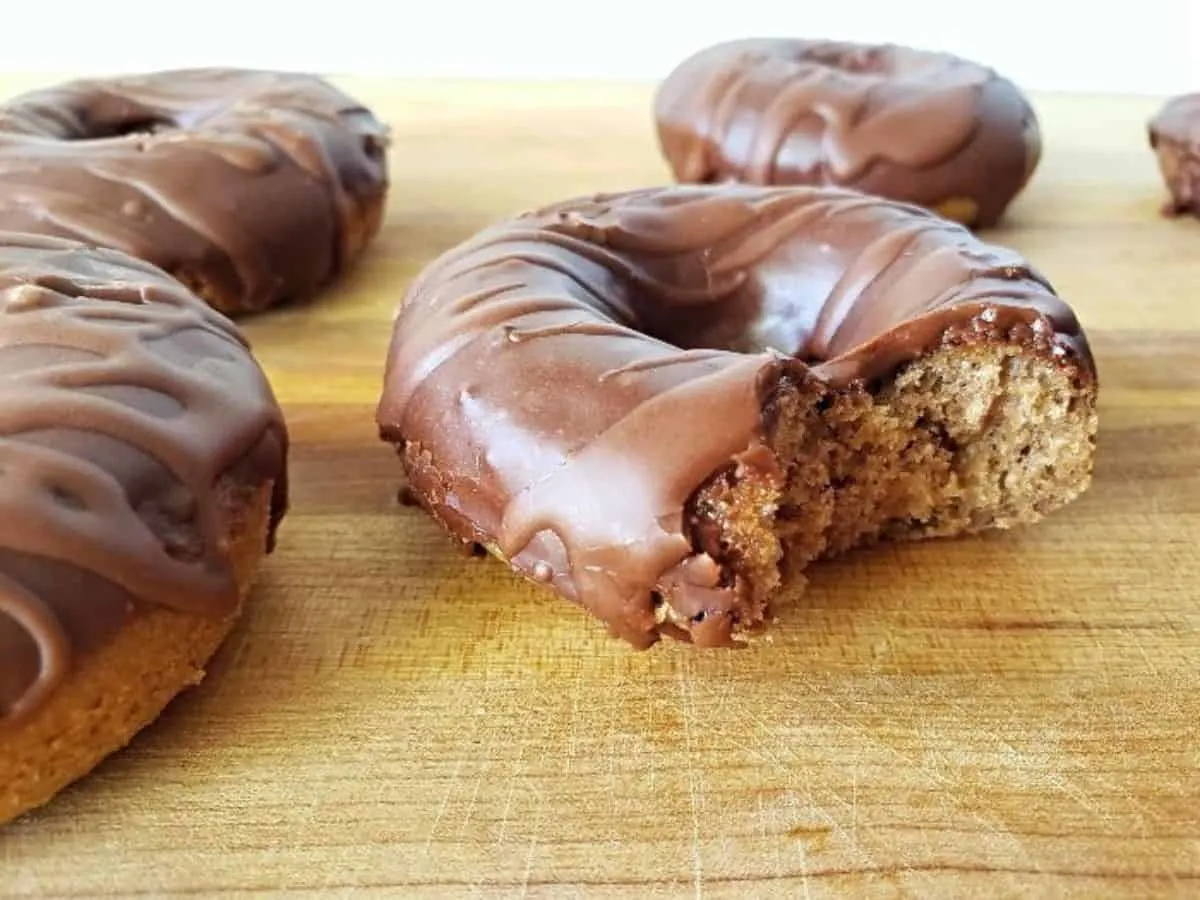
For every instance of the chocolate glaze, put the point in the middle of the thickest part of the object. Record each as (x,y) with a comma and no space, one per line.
(1174,134)
(123,401)
(921,127)
(252,187)
(560,385)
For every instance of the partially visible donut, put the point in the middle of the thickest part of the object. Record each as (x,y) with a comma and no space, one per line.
(911,125)
(665,403)
(253,188)
(142,476)
(1174,133)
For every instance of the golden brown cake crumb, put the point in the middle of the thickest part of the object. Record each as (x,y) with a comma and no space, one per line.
(964,439)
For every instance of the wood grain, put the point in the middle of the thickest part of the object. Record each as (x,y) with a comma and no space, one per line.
(1014,715)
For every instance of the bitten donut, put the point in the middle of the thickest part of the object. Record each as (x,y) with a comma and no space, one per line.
(252,188)
(911,125)
(142,476)
(666,403)
(1175,138)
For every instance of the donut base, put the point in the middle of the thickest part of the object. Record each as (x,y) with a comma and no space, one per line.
(122,687)
(963,440)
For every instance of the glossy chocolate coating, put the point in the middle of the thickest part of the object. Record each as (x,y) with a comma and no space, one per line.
(124,400)
(561,384)
(1174,134)
(252,187)
(910,125)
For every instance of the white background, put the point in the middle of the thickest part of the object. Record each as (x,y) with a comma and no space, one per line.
(1134,46)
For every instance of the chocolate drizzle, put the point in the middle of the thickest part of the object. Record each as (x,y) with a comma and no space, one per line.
(652,329)
(922,127)
(253,188)
(126,401)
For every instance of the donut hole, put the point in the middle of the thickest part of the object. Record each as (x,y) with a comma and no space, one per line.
(130,126)
(852,60)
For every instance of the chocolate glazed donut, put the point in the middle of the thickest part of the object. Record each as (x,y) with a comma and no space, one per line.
(910,125)
(253,188)
(142,476)
(1174,134)
(665,403)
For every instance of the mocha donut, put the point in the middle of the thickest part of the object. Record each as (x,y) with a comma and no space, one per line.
(661,403)
(1175,138)
(252,188)
(142,476)
(922,127)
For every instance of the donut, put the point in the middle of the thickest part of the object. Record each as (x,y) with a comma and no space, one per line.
(252,188)
(664,404)
(1174,133)
(142,477)
(910,125)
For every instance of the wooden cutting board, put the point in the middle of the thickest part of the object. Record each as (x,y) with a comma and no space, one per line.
(1013,715)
